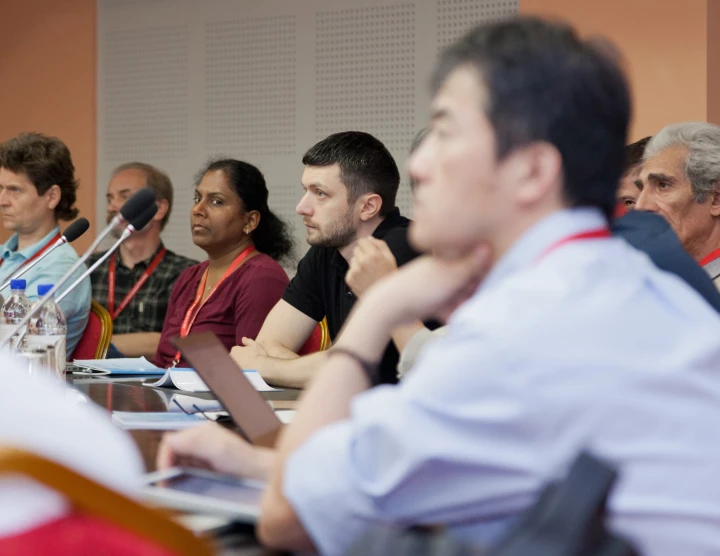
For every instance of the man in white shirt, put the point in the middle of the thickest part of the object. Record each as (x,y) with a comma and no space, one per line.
(573,339)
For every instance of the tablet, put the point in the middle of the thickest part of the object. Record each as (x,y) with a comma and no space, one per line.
(203,491)
(254,418)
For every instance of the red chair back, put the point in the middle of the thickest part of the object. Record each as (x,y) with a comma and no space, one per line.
(95,341)
(81,535)
(319,340)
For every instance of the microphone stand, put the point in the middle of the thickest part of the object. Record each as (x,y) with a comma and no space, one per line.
(117,220)
(24,269)
(73,231)
(126,234)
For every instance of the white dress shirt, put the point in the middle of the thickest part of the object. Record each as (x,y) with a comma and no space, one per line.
(44,416)
(587,346)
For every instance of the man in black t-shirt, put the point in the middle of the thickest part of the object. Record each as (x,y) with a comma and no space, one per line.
(350,182)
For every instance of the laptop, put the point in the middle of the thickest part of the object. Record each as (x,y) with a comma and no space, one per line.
(255,419)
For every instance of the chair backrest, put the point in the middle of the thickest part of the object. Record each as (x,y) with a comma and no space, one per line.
(319,340)
(95,341)
(94,506)
(80,535)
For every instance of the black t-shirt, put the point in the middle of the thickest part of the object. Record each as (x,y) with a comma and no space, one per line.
(319,289)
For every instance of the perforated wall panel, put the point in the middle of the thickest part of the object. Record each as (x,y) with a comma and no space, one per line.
(184,80)
(250,101)
(146,80)
(456,17)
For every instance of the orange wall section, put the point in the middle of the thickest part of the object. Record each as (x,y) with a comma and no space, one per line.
(713,62)
(665,47)
(48,70)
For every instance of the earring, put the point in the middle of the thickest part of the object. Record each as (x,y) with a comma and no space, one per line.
(247,231)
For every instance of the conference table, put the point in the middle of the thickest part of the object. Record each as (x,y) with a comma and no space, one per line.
(129,394)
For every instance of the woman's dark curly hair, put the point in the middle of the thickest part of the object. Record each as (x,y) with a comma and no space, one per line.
(46,162)
(272,235)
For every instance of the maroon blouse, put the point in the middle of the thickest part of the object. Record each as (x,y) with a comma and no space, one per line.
(235,310)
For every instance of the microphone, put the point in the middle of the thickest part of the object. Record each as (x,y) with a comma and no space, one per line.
(73,231)
(136,225)
(132,208)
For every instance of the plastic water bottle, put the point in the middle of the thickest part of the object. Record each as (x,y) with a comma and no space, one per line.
(48,329)
(14,309)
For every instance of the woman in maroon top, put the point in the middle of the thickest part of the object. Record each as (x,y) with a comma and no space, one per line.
(232,292)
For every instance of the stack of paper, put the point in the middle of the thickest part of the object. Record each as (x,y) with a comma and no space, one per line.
(128,366)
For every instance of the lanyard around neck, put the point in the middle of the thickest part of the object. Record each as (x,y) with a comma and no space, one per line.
(44,248)
(710,258)
(598,233)
(197,304)
(139,284)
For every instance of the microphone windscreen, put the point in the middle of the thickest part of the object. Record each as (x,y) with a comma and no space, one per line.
(141,221)
(138,203)
(76,229)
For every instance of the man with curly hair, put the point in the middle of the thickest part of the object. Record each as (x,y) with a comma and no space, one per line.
(37,190)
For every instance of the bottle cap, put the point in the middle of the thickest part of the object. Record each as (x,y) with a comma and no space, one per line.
(43,289)
(18,284)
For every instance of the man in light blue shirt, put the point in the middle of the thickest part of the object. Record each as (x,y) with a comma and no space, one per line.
(37,189)
(561,338)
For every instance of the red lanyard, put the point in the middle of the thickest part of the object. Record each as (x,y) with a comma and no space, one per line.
(710,258)
(139,284)
(591,234)
(192,312)
(42,250)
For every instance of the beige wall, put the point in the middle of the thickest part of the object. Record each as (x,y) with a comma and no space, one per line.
(665,45)
(48,72)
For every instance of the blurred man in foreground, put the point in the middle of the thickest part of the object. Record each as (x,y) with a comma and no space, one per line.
(555,351)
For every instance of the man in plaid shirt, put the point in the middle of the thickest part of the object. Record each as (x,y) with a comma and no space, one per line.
(135,283)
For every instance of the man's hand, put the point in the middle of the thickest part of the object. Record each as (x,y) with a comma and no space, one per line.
(250,355)
(211,446)
(429,287)
(372,260)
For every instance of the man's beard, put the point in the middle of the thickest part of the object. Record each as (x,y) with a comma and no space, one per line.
(339,234)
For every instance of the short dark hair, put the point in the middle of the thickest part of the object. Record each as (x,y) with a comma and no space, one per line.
(543,83)
(634,154)
(272,235)
(46,161)
(366,166)
(155,179)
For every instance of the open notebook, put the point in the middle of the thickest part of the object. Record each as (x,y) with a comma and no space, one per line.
(189,381)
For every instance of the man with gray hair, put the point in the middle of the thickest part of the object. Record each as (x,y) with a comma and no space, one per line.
(134,284)
(680,179)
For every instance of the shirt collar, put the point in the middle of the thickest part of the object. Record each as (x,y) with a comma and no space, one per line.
(540,237)
(391,221)
(9,248)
